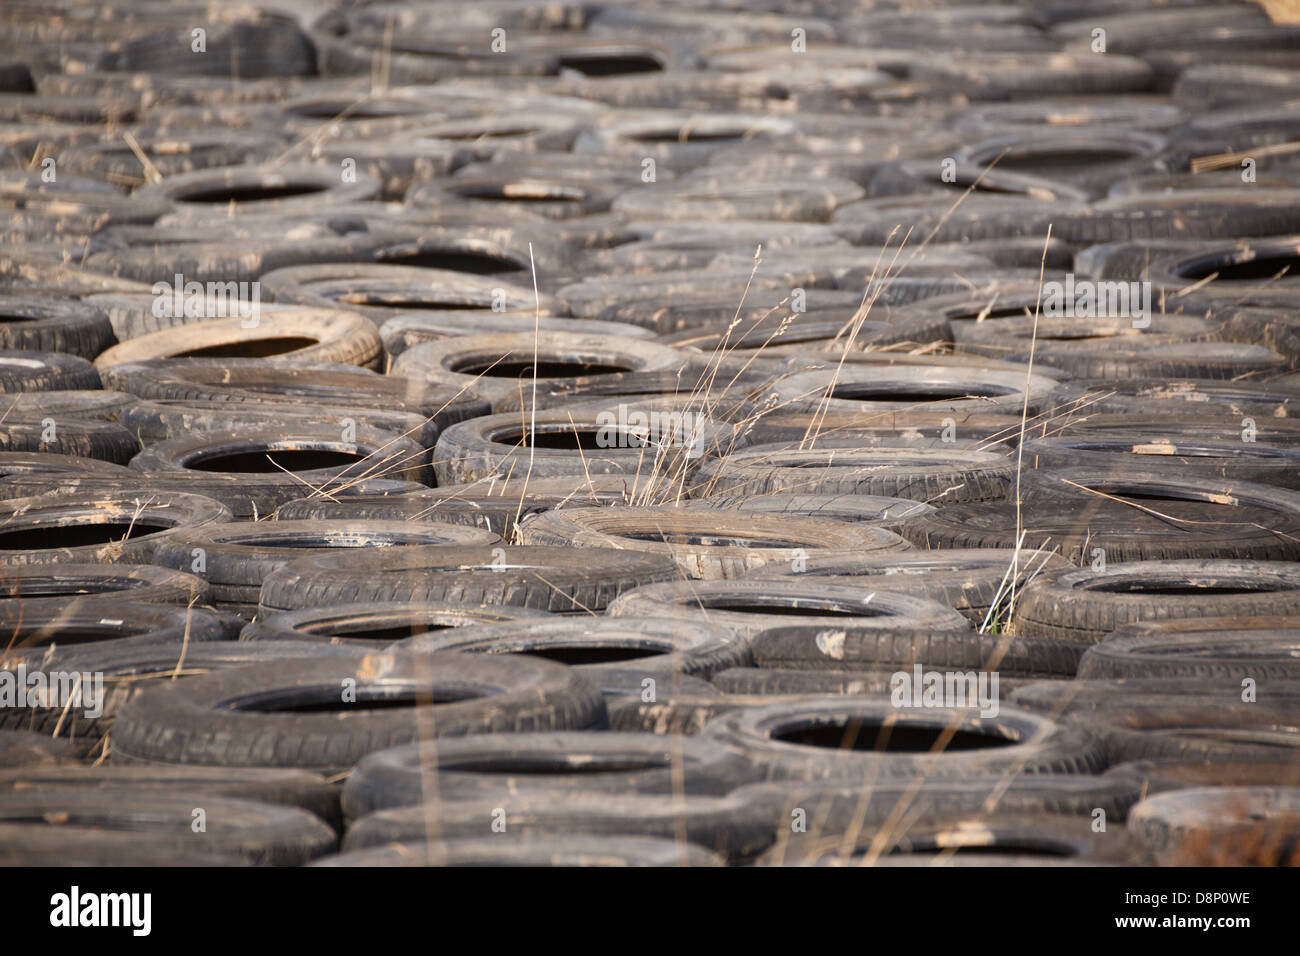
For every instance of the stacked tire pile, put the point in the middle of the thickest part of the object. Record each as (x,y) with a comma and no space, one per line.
(607,432)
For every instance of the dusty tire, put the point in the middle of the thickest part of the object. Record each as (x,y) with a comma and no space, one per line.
(131,582)
(500,366)
(302,459)
(665,442)
(194,722)
(935,476)
(703,544)
(236,557)
(548,579)
(1084,606)
(968,580)
(379,625)
(750,607)
(53,325)
(842,734)
(698,823)
(301,335)
(120,527)
(495,766)
(1232,649)
(24,371)
(264,833)
(653,646)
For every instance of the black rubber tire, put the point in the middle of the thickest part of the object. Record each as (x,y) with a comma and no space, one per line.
(966,580)
(1274,328)
(494,505)
(751,607)
(721,825)
(140,582)
(1218,85)
(966,651)
(580,441)
(756,682)
(291,788)
(1216,361)
(548,579)
(1067,517)
(266,833)
(59,630)
(49,324)
(25,371)
(845,810)
(236,557)
(653,646)
(196,722)
(514,198)
(84,405)
(540,851)
(1192,729)
(703,545)
(1013,838)
(938,475)
(307,458)
(248,497)
(1084,606)
(687,712)
(383,290)
(498,366)
(1000,76)
(701,196)
(1075,339)
(105,441)
(878,222)
(172,154)
(849,728)
(379,625)
(293,384)
(476,509)
(790,427)
(1088,159)
(510,766)
(110,527)
(1057,698)
(1192,214)
(155,421)
(1232,649)
(1159,776)
(1171,403)
(1216,826)
(697,294)
(210,194)
(130,665)
(912,177)
(863,387)
(402,332)
(25,845)
(300,335)
(134,315)
(878,510)
(1117,451)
